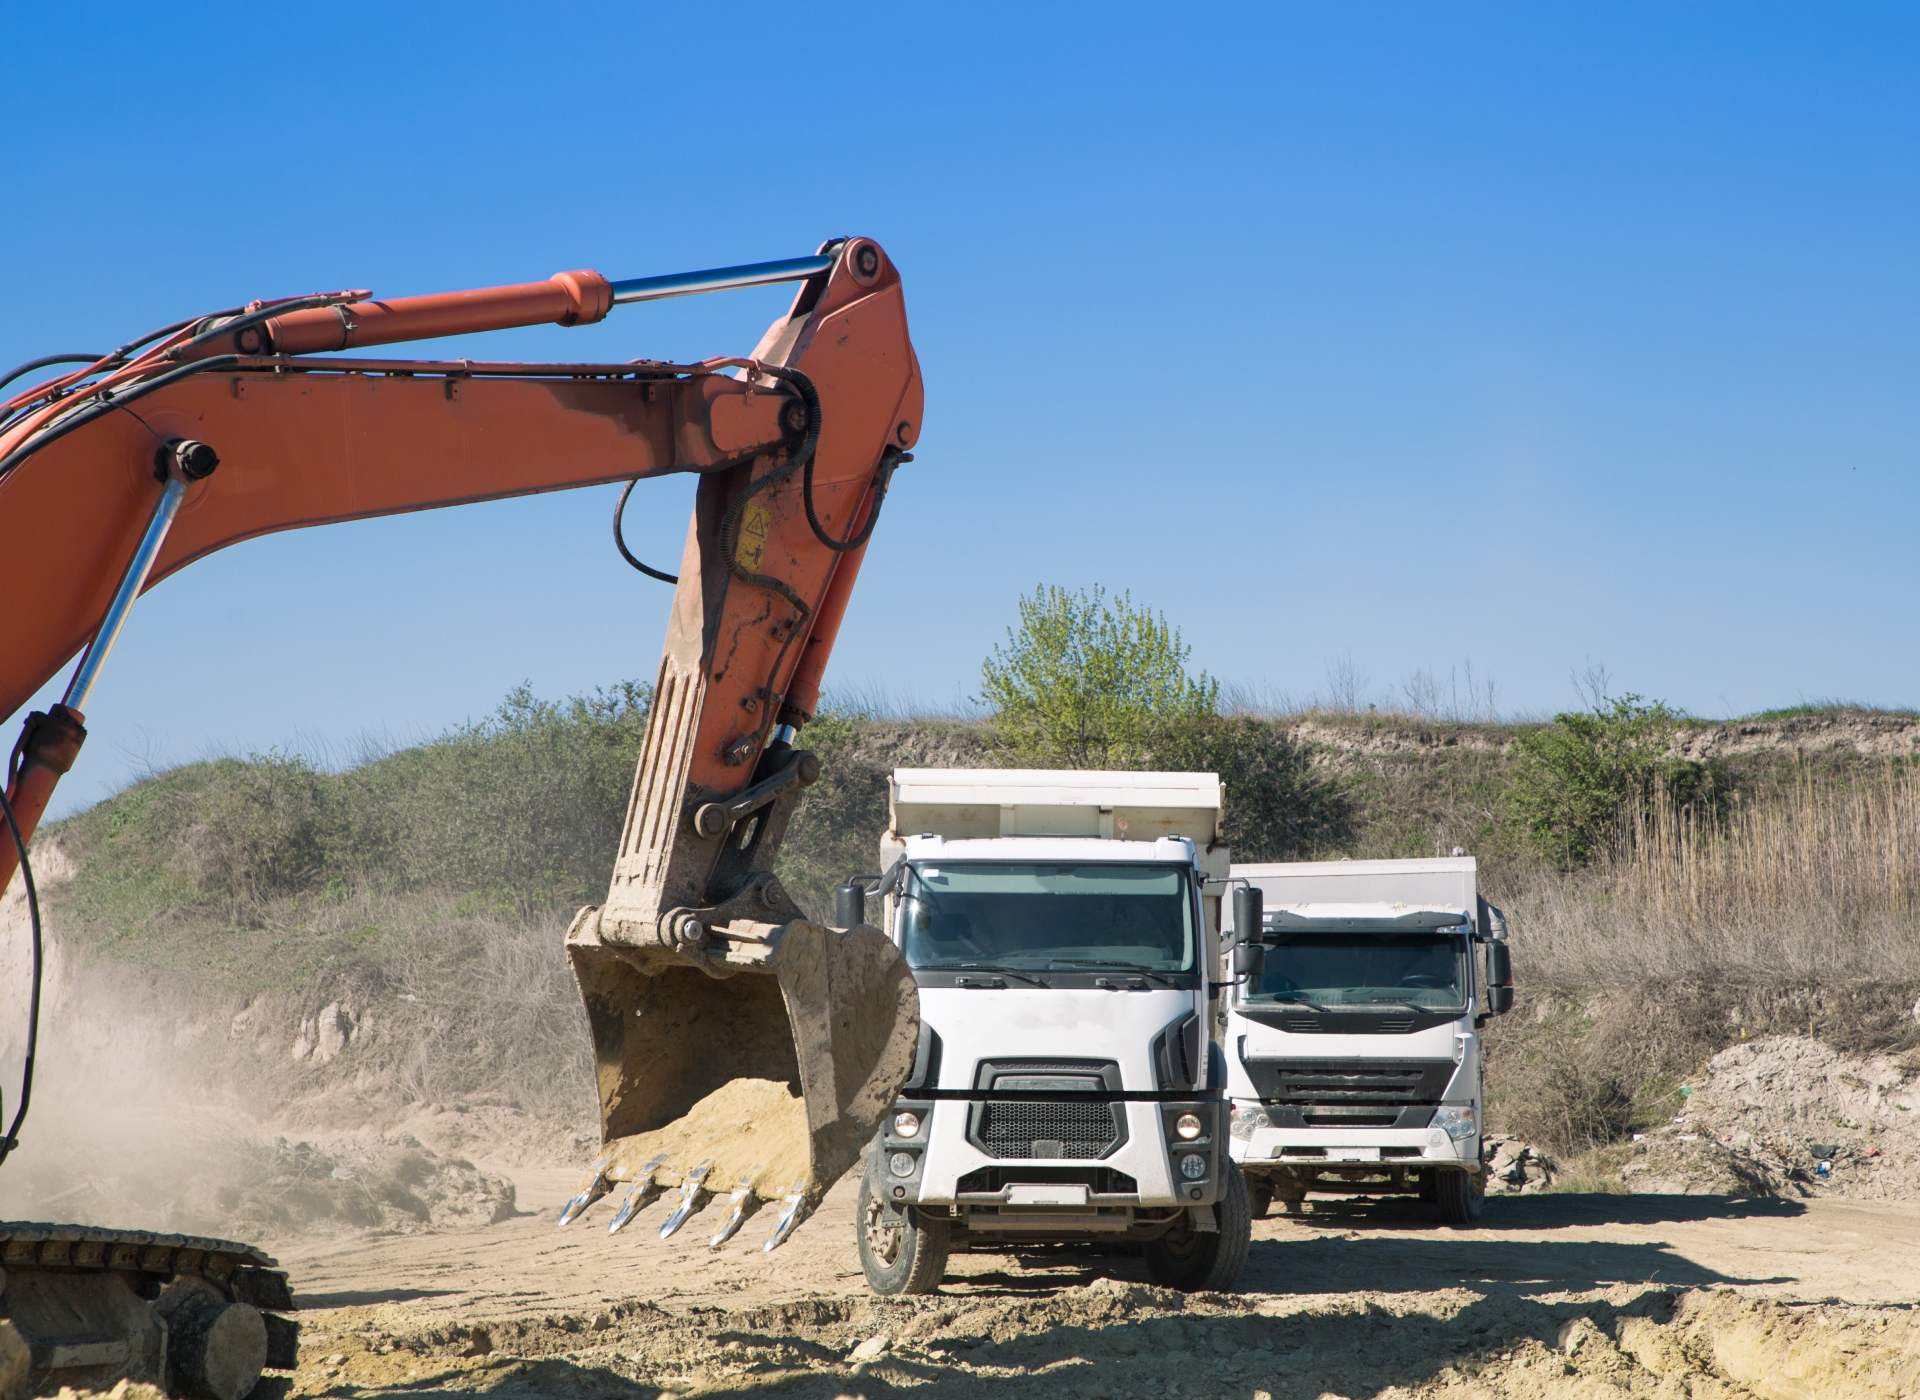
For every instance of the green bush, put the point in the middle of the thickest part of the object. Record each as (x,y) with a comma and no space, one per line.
(1575,779)
(1279,806)
(1088,681)
(527,805)
(268,828)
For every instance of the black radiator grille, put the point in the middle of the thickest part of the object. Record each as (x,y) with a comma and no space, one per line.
(1348,1089)
(1063,1128)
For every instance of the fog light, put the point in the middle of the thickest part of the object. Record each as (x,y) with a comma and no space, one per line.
(1456,1123)
(1187,1125)
(1193,1166)
(906,1124)
(901,1163)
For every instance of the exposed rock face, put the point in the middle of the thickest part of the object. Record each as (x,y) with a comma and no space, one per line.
(324,1037)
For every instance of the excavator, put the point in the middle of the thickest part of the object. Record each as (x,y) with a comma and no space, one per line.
(744,1053)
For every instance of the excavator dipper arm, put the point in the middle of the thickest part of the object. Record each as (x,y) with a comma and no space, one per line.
(741,1049)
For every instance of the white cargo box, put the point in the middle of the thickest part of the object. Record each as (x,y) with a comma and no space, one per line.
(968,803)
(1380,889)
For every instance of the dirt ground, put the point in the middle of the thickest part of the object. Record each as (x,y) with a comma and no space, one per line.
(1553,1295)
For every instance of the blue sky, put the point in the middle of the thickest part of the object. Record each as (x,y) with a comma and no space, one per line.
(1538,335)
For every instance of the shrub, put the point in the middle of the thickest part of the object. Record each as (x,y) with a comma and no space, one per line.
(266,828)
(1279,806)
(526,805)
(1089,681)
(1575,780)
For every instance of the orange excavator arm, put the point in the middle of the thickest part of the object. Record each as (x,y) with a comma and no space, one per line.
(122,470)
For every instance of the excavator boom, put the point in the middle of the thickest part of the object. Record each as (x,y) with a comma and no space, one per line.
(741,1048)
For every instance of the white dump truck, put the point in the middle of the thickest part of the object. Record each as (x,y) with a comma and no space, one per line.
(1353,1045)
(1067,1087)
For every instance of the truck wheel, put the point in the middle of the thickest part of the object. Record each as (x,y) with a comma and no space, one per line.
(1459,1197)
(1259,1197)
(1194,1261)
(901,1251)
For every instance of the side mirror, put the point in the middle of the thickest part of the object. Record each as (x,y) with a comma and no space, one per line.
(850,905)
(1249,961)
(1249,913)
(1499,979)
(1249,919)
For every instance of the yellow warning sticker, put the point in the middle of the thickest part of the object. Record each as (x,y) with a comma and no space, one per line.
(754,524)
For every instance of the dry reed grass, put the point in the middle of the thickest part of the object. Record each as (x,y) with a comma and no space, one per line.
(1817,879)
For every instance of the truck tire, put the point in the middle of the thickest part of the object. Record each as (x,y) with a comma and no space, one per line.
(1259,1197)
(1195,1261)
(1459,1196)
(901,1251)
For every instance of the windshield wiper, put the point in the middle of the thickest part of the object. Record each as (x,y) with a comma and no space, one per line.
(1293,999)
(998,968)
(1396,1001)
(1120,969)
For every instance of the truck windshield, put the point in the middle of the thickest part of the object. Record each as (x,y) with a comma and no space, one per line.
(1356,970)
(1034,915)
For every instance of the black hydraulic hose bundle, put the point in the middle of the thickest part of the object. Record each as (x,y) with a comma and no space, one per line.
(12,1138)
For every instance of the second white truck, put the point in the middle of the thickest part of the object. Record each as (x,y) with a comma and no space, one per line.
(1067,1088)
(1354,1052)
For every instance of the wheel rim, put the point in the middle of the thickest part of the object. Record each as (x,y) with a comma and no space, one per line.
(883,1239)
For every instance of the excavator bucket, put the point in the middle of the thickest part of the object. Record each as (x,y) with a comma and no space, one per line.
(757,1079)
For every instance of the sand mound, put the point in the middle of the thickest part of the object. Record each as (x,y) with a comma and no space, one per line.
(1789,1115)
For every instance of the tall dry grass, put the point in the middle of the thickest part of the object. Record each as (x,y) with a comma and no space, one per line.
(1818,878)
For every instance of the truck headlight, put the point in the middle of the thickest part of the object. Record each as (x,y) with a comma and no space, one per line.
(1188,1125)
(1193,1166)
(906,1124)
(901,1163)
(1456,1123)
(1244,1118)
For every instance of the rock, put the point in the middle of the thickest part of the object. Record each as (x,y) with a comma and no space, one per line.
(479,1343)
(872,1349)
(333,1028)
(1575,1333)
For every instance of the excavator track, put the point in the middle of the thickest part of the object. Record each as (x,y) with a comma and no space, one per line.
(194,1315)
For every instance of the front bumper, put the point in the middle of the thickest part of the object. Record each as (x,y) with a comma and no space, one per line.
(1334,1147)
(1142,1170)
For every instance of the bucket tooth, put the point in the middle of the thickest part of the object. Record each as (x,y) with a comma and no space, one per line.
(799,1205)
(741,1204)
(643,1193)
(693,1195)
(597,1186)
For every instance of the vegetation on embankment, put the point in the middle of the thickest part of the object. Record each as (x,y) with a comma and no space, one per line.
(1673,883)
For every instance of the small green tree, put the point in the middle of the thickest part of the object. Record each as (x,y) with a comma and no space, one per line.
(1576,779)
(1091,681)
(1086,680)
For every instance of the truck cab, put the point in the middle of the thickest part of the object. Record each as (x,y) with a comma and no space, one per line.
(1354,1051)
(1066,1087)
